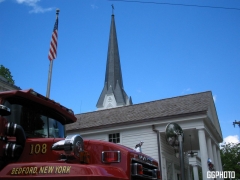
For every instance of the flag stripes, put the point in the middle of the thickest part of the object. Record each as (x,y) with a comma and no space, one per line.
(53,44)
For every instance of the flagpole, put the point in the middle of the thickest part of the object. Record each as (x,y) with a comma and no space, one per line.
(51,60)
(49,78)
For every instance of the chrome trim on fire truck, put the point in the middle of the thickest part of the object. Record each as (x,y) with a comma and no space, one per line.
(14,129)
(134,169)
(119,157)
(155,173)
(145,158)
(8,126)
(149,171)
(13,148)
(6,148)
(72,145)
(6,109)
(144,162)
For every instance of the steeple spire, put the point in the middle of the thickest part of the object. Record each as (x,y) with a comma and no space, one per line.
(113,94)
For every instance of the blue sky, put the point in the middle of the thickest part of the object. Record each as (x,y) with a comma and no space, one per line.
(165,50)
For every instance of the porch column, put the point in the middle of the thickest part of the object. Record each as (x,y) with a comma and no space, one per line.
(216,163)
(195,172)
(173,171)
(188,172)
(164,168)
(204,152)
(219,159)
(209,147)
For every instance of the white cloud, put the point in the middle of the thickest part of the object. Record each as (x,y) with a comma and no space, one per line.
(231,139)
(185,91)
(215,98)
(38,9)
(29,2)
(1,1)
(34,5)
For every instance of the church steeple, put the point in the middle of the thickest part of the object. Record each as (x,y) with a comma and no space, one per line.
(113,94)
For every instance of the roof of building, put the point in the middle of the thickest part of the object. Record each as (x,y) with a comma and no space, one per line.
(7,83)
(164,108)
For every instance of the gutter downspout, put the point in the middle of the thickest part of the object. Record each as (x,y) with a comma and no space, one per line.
(159,149)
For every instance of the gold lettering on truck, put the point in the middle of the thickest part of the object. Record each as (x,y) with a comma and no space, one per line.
(41,170)
(50,169)
(62,169)
(24,170)
(37,148)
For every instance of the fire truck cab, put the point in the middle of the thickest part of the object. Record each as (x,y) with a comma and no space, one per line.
(33,145)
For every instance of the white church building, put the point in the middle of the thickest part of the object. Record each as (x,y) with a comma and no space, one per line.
(118,120)
(5,85)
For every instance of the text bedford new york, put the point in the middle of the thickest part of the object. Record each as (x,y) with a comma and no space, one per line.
(41,170)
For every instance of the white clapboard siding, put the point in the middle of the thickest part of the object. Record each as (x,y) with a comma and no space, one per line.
(102,137)
(165,148)
(132,137)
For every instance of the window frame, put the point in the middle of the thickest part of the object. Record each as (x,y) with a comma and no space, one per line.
(114,138)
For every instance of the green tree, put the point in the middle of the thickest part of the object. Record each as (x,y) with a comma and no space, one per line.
(230,156)
(5,72)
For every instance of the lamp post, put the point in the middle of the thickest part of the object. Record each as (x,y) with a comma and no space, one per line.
(174,137)
(191,154)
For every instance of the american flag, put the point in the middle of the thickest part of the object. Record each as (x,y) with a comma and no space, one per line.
(53,44)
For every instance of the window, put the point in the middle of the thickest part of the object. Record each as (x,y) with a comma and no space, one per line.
(115,138)
(37,121)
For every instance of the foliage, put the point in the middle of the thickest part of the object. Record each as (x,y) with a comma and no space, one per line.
(230,156)
(5,72)
(200,175)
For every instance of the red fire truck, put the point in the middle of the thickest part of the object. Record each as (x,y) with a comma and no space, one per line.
(33,145)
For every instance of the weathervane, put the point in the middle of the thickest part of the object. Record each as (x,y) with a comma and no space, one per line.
(112,9)
(236,122)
